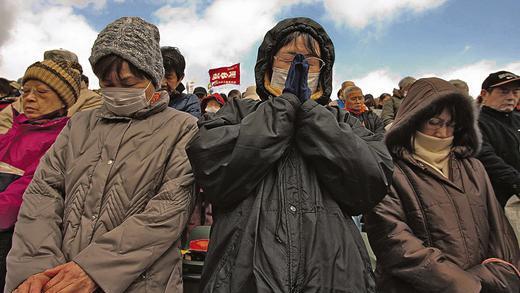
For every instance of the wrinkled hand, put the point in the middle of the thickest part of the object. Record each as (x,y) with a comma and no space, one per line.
(296,82)
(68,277)
(33,284)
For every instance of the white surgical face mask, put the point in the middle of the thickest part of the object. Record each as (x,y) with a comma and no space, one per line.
(280,76)
(312,81)
(212,109)
(124,101)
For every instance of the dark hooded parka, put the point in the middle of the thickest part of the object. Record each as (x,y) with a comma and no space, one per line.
(284,177)
(434,233)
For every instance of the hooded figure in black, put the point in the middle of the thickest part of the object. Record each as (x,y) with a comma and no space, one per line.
(286,174)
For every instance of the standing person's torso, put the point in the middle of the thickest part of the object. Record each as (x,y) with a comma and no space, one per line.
(288,236)
(502,131)
(113,168)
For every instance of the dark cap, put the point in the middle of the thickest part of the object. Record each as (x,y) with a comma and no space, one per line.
(499,78)
(200,90)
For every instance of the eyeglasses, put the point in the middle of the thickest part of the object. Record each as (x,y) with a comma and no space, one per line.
(436,123)
(36,91)
(315,63)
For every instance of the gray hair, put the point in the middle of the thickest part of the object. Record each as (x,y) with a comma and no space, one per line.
(406,82)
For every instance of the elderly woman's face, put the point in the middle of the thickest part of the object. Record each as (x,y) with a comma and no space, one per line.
(440,126)
(39,99)
(285,55)
(126,79)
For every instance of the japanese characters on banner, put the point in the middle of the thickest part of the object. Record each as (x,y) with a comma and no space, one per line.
(225,75)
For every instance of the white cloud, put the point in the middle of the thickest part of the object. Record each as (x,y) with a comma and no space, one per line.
(96,4)
(384,81)
(474,74)
(36,31)
(222,35)
(359,14)
(378,82)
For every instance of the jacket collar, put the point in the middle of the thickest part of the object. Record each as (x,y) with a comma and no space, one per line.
(454,180)
(497,114)
(20,120)
(150,110)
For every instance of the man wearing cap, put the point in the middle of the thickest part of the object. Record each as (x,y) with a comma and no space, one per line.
(500,127)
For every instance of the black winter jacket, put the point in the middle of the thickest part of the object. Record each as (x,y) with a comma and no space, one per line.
(500,151)
(284,179)
(372,122)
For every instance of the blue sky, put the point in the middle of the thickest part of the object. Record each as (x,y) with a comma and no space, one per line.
(376,43)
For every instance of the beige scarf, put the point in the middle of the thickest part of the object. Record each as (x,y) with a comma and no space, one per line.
(433,151)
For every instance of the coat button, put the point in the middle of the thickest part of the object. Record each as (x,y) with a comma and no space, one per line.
(110,162)
(94,218)
(292,208)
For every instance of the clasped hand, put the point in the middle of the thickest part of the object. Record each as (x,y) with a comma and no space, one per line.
(64,278)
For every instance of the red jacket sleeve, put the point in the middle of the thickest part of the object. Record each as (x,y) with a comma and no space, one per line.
(11,200)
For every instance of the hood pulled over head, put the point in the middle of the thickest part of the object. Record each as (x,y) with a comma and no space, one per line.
(270,45)
(423,95)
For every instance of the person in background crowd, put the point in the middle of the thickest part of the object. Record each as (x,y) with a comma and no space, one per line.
(370,102)
(234,94)
(49,88)
(500,126)
(379,103)
(200,92)
(461,85)
(174,65)
(250,93)
(212,103)
(86,101)
(382,99)
(391,106)
(224,97)
(7,93)
(109,200)
(354,104)
(285,175)
(340,102)
(440,229)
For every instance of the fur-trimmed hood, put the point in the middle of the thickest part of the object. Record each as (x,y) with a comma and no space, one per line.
(424,93)
(282,29)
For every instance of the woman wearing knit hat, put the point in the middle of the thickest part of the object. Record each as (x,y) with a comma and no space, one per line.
(49,88)
(110,199)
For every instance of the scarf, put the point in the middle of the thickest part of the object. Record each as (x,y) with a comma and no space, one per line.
(433,151)
(356,112)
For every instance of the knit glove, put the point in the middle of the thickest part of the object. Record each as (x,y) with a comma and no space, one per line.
(296,82)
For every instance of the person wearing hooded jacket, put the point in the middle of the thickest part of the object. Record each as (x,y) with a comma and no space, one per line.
(441,228)
(285,175)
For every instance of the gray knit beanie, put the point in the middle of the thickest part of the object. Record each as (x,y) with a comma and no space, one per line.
(134,40)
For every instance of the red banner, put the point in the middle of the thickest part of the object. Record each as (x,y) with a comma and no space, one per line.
(225,75)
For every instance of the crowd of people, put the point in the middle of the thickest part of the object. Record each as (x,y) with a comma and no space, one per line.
(414,191)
